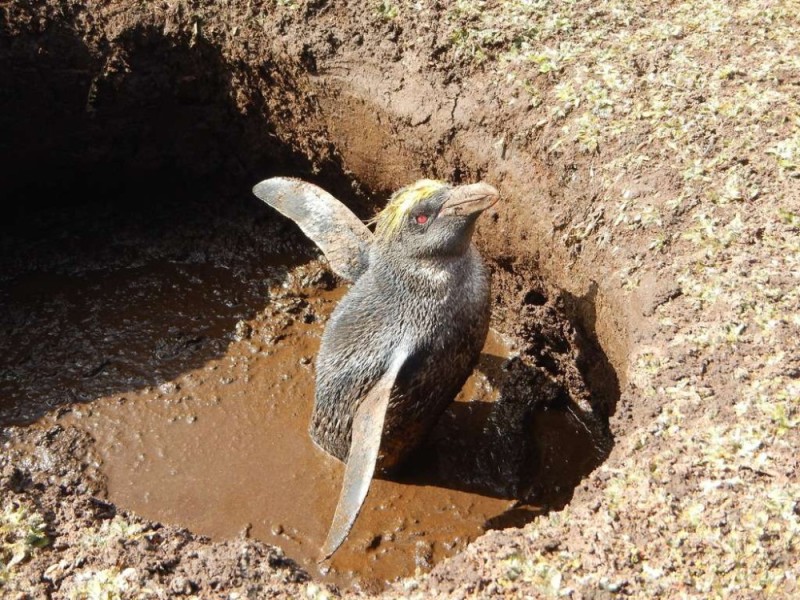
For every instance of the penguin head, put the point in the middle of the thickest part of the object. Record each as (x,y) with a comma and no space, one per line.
(430,219)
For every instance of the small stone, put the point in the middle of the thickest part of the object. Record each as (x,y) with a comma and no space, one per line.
(57,571)
(168,387)
(242,331)
(423,555)
(182,586)
(551,545)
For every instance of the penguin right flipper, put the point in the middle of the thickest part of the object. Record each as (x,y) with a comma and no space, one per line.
(340,234)
(365,443)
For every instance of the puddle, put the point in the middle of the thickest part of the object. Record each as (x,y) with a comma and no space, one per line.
(223,449)
(194,373)
(219,444)
(72,338)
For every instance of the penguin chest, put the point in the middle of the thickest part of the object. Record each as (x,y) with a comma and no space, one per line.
(443,323)
(446,353)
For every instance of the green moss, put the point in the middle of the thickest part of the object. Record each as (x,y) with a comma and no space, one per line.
(22,534)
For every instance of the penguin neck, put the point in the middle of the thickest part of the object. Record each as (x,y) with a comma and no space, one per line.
(436,275)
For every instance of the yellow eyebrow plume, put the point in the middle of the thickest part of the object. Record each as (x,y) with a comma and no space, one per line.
(401,203)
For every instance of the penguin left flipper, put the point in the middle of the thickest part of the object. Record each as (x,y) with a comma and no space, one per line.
(339,233)
(365,443)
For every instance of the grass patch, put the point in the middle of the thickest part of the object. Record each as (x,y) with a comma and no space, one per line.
(22,534)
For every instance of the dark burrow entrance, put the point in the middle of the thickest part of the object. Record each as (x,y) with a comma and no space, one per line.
(149,299)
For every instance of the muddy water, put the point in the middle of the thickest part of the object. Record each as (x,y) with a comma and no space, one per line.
(198,389)
(223,449)
(76,337)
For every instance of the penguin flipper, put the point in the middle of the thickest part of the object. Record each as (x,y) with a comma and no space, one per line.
(365,443)
(340,234)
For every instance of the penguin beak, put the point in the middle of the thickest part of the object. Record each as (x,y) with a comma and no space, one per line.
(469,199)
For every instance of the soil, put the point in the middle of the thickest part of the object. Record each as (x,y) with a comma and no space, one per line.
(631,426)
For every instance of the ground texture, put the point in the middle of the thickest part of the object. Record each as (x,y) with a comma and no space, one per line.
(649,157)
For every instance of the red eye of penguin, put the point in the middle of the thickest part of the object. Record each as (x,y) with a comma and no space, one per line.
(422,219)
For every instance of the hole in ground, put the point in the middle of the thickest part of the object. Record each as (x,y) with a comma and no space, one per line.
(151,300)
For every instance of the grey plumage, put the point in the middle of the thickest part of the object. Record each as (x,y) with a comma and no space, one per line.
(403,341)
(440,308)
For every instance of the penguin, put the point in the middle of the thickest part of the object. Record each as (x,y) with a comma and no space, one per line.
(404,339)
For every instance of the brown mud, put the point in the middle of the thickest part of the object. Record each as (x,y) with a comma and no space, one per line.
(160,324)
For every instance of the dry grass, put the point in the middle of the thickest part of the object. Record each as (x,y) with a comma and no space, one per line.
(704,500)
(22,534)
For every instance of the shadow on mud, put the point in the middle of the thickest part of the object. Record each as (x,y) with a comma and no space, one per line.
(533,444)
(127,175)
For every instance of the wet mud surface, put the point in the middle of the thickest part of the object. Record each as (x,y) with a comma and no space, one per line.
(191,367)
(224,450)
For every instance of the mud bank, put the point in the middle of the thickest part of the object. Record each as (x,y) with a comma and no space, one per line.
(145,292)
